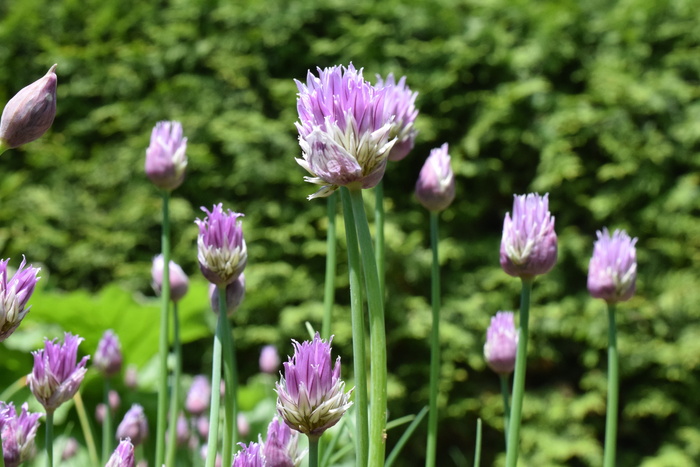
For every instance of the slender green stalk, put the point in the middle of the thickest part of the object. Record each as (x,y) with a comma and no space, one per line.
(333,442)
(505,392)
(358,333)
(85,426)
(379,234)
(394,454)
(231,377)
(49,438)
(477,447)
(163,339)
(313,452)
(434,345)
(375,302)
(613,391)
(213,440)
(176,389)
(329,288)
(513,443)
(107,425)
(13,388)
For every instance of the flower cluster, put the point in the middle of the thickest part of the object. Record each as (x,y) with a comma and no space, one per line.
(165,157)
(123,456)
(14,295)
(18,432)
(222,251)
(612,272)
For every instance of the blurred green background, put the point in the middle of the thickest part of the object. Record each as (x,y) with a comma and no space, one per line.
(595,102)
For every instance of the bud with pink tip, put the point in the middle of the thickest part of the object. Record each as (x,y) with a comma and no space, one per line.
(269,359)
(134,425)
(435,188)
(501,343)
(165,157)
(123,456)
(18,431)
(222,251)
(400,103)
(612,273)
(179,282)
(14,295)
(197,401)
(108,356)
(235,293)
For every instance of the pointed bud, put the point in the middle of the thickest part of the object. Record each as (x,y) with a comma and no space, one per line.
(179,282)
(269,359)
(166,160)
(123,456)
(134,425)
(612,272)
(501,343)
(435,188)
(108,357)
(235,293)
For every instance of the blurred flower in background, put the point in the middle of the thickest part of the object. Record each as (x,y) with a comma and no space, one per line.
(166,160)
(400,103)
(14,295)
(435,188)
(501,343)
(179,282)
(108,356)
(18,433)
(612,272)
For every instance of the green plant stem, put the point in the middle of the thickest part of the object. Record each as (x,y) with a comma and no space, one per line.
(394,454)
(85,426)
(313,451)
(613,391)
(358,333)
(49,438)
(213,440)
(106,425)
(506,404)
(431,447)
(12,389)
(379,234)
(477,446)
(231,378)
(329,287)
(176,389)
(163,339)
(513,443)
(375,302)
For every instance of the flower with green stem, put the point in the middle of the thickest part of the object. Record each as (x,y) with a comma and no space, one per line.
(250,456)
(123,455)
(14,295)
(528,249)
(18,432)
(108,361)
(134,425)
(281,446)
(612,276)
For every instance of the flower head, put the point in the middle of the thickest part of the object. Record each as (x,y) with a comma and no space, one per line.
(612,273)
(30,112)
(222,251)
(435,188)
(281,446)
(269,359)
(18,432)
(310,395)
(179,282)
(344,129)
(501,343)
(123,456)
(134,425)
(249,456)
(108,356)
(56,377)
(235,293)
(529,243)
(14,295)
(165,157)
(400,102)
(198,396)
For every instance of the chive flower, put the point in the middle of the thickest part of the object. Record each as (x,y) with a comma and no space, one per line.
(18,433)
(281,445)
(197,401)
(310,395)
(250,456)
(501,343)
(235,293)
(14,295)
(269,359)
(56,376)
(123,455)
(30,112)
(344,129)
(435,188)
(222,251)
(134,425)
(179,282)
(529,243)
(400,102)
(166,160)
(108,356)
(612,272)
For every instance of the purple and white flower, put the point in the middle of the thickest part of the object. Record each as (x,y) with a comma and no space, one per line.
(166,160)
(501,343)
(401,103)
(18,432)
(108,356)
(222,251)
(435,188)
(14,295)
(612,273)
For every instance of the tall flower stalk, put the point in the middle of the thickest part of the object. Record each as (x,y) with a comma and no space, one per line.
(108,360)
(329,285)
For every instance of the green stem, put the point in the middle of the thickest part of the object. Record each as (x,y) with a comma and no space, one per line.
(477,447)
(107,425)
(213,440)
(313,452)
(163,338)
(329,288)
(434,345)
(375,302)
(49,438)
(613,391)
(358,333)
(176,389)
(85,426)
(379,234)
(505,392)
(513,443)
(394,454)
(231,377)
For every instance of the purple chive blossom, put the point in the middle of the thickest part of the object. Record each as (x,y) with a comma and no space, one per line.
(612,272)
(344,129)
(165,157)
(123,456)
(310,397)
(56,377)
(14,295)
(501,343)
(250,456)
(529,243)
(281,445)
(235,293)
(179,282)
(18,433)
(134,425)
(400,102)
(269,359)
(108,356)
(198,396)
(30,112)
(435,188)
(222,251)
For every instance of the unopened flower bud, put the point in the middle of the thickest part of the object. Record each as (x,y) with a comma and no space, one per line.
(134,425)
(131,377)
(222,251)
(235,293)
(501,343)
(179,283)
(612,272)
(123,456)
(435,188)
(165,157)
(269,359)
(108,357)
(198,396)
(70,449)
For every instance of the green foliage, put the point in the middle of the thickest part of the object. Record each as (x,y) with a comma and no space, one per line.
(593,102)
